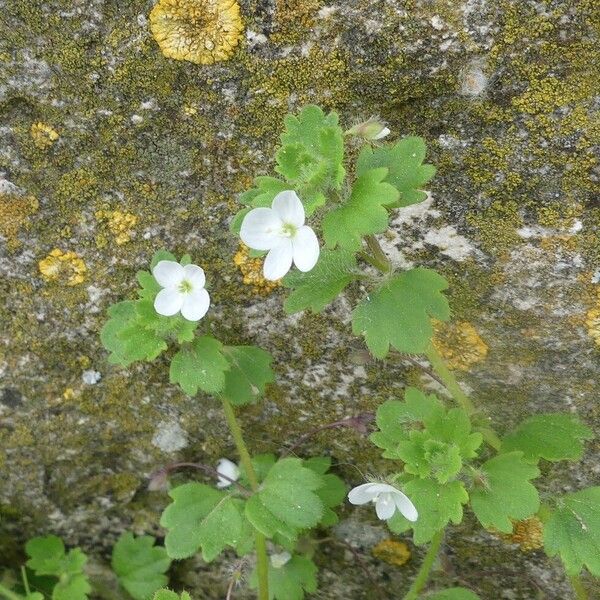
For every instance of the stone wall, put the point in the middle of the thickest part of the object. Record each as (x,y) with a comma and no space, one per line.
(110,150)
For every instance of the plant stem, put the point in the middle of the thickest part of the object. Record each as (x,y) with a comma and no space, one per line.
(377,257)
(6,593)
(262,566)
(580,591)
(423,575)
(451,384)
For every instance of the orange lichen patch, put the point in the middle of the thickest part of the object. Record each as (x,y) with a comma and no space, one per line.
(251,269)
(459,344)
(119,223)
(61,266)
(529,534)
(592,321)
(392,552)
(15,211)
(200,31)
(43,135)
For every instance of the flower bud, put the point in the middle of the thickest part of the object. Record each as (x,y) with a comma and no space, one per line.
(371,130)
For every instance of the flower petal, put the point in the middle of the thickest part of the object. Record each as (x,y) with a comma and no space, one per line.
(385,131)
(279,260)
(195,275)
(261,229)
(405,506)
(229,469)
(168,302)
(306,248)
(362,494)
(195,305)
(385,507)
(168,273)
(289,208)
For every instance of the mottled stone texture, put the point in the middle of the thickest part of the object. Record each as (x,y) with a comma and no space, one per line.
(153,152)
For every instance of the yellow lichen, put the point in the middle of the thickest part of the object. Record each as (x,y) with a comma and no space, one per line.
(592,320)
(69,394)
(392,552)
(251,269)
(15,211)
(43,135)
(459,344)
(61,266)
(528,534)
(119,223)
(200,31)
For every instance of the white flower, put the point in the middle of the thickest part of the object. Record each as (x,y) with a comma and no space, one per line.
(281,230)
(385,131)
(386,498)
(229,469)
(183,290)
(280,560)
(373,129)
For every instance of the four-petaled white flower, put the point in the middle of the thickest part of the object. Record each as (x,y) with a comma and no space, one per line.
(281,230)
(230,470)
(183,290)
(386,498)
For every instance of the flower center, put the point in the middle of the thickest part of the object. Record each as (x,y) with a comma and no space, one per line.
(185,287)
(289,230)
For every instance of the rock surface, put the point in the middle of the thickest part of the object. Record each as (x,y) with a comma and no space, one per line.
(110,151)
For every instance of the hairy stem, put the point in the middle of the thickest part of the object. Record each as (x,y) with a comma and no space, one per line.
(451,384)
(377,256)
(423,575)
(6,593)
(262,566)
(577,585)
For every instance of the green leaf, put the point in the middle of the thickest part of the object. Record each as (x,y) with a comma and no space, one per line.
(405,169)
(437,505)
(200,365)
(315,289)
(457,593)
(140,565)
(291,581)
(263,520)
(318,464)
(288,492)
(398,312)
(364,213)
(393,416)
(287,500)
(311,156)
(573,531)
(47,556)
(201,517)
(248,374)
(169,595)
(503,491)
(75,587)
(553,436)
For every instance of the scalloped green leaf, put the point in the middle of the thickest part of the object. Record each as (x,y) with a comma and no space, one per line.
(503,491)
(573,531)
(139,565)
(201,517)
(248,375)
(364,213)
(315,289)
(200,366)
(406,171)
(291,580)
(552,436)
(398,313)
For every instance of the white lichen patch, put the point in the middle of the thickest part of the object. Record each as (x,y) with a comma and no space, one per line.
(169,437)
(450,243)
